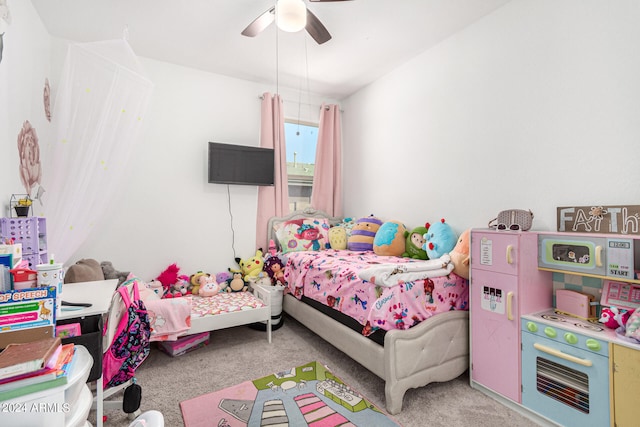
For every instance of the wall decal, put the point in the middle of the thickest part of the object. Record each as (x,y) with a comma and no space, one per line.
(5,20)
(29,152)
(47,99)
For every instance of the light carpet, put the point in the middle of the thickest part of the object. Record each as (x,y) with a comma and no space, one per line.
(239,354)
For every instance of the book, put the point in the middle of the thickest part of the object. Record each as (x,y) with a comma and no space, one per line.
(17,359)
(62,378)
(65,354)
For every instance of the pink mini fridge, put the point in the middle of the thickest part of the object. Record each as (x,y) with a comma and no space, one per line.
(505,284)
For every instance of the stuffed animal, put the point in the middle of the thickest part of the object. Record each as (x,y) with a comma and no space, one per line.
(156,287)
(223,276)
(389,239)
(169,276)
(251,267)
(274,267)
(439,240)
(413,244)
(178,289)
(612,317)
(460,255)
(237,284)
(363,233)
(85,270)
(196,281)
(111,273)
(338,237)
(208,286)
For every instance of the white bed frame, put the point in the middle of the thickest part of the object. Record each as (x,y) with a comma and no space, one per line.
(435,350)
(236,318)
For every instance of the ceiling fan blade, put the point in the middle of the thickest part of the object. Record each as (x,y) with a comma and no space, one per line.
(316,29)
(260,23)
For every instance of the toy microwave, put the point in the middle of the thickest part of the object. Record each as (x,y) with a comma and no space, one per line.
(567,253)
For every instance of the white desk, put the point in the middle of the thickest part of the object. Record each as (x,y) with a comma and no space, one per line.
(98,293)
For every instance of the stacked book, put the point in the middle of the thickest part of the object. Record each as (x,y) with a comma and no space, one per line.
(34,366)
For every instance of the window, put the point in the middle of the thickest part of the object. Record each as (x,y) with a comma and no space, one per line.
(301,139)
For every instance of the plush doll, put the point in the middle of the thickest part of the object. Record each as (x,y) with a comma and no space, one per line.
(178,289)
(413,244)
(389,239)
(169,276)
(223,276)
(460,255)
(251,267)
(274,267)
(85,270)
(612,317)
(237,284)
(363,233)
(196,281)
(208,287)
(111,273)
(338,237)
(156,287)
(439,240)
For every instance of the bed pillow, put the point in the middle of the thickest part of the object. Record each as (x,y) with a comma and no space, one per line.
(305,234)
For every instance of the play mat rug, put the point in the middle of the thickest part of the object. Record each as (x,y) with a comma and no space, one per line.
(307,395)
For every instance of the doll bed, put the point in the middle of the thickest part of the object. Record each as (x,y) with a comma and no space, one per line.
(176,317)
(435,349)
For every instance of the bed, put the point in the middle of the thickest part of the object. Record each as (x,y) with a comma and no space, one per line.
(407,354)
(173,318)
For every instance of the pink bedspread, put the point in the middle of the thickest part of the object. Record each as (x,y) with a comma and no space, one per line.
(331,278)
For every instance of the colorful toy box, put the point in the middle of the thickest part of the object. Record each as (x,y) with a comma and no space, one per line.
(184,344)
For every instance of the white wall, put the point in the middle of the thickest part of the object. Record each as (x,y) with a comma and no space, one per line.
(167,211)
(25,66)
(535,106)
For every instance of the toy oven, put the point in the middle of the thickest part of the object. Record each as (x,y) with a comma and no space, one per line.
(562,378)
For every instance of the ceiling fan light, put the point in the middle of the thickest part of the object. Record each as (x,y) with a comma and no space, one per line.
(291,15)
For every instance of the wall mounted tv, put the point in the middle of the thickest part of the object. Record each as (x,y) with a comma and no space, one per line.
(240,164)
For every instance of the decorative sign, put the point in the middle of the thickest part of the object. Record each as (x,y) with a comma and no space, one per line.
(600,219)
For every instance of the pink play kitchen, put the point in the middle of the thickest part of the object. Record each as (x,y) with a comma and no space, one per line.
(553,322)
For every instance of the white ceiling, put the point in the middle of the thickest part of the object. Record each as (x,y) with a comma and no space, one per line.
(370,37)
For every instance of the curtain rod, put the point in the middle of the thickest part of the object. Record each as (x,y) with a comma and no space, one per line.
(261,97)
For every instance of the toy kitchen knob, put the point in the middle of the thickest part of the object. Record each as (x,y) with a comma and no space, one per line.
(593,344)
(532,327)
(570,338)
(550,332)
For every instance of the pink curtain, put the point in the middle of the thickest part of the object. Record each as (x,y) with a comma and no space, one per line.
(326,194)
(272,201)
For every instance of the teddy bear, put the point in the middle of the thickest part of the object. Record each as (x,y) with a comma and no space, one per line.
(111,273)
(413,244)
(439,240)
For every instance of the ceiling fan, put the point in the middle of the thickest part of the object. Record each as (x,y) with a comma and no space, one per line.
(313,25)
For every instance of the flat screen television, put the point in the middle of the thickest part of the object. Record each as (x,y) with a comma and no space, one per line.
(240,164)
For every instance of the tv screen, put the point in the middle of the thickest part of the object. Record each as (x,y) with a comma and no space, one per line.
(240,164)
